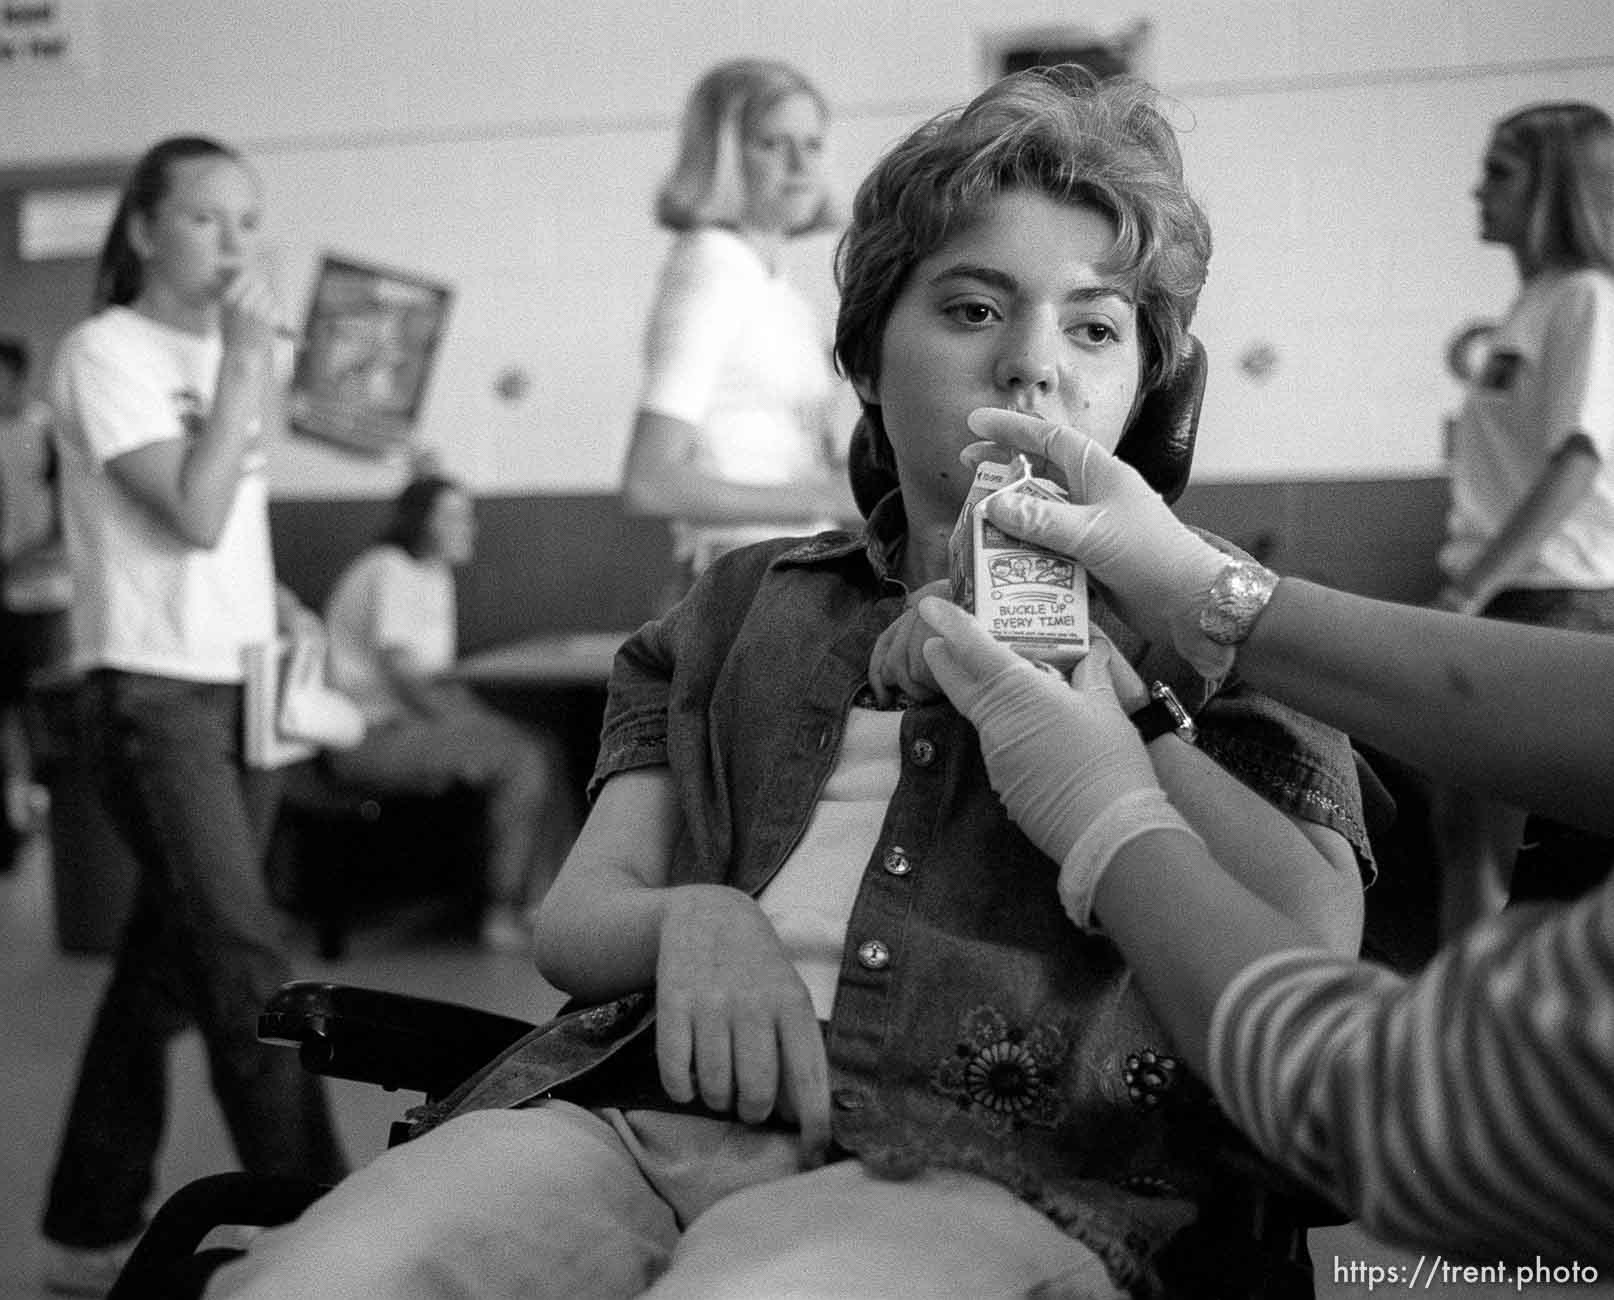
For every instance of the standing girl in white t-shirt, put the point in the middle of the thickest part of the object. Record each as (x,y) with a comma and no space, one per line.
(732,441)
(164,399)
(1531,532)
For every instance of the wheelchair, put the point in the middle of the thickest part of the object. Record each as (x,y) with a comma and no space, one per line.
(408,1043)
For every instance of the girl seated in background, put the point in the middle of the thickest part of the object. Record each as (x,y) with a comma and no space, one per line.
(393,639)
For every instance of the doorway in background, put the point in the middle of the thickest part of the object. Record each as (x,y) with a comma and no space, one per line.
(41,298)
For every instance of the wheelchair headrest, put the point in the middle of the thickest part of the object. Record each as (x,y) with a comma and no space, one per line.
(1159,443)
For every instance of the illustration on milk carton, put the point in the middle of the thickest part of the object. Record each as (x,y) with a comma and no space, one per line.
(1031,599)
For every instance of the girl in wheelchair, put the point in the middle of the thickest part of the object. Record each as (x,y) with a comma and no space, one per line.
(838,1034)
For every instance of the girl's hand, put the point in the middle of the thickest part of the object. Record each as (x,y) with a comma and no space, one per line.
(735,1024)
(898,663)
(1158,572)
(249,312)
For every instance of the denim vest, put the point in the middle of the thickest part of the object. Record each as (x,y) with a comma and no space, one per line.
(974,1027)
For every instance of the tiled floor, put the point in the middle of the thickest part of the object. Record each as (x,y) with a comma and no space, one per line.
(46,999)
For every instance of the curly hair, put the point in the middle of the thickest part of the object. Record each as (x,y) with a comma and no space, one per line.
(1569,148)
(1058,131)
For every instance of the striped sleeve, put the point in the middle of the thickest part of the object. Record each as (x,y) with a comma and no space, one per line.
(1470,1108)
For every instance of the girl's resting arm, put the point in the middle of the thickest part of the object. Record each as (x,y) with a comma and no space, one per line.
(598,929)
(735,1023)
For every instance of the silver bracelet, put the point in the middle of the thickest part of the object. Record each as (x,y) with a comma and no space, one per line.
(1237,597)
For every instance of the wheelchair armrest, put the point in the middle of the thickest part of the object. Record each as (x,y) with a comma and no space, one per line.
(392,1039)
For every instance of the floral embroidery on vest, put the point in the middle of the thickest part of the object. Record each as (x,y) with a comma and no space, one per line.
(1006,1075)
(1150,1185)
(1149,1076)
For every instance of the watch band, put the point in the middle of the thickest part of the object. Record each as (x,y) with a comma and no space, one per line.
(1164,712)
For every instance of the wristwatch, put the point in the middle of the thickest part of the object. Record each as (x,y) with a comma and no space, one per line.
(1164,712)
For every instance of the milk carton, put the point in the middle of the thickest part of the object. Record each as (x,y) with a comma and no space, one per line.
(1031,599)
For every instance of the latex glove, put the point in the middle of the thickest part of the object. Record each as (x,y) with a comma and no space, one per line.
(1065,758)
(1158,571)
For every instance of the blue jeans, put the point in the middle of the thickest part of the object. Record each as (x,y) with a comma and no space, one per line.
(201,947)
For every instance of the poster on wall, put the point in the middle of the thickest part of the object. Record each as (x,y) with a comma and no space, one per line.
(1016,49)
(47,37)
(368,346)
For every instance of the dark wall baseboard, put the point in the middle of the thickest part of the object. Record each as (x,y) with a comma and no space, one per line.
(1374,537)
(556,564)
(544,564)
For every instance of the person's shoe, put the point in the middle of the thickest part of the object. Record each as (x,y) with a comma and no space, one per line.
(507,929)
(84,1270)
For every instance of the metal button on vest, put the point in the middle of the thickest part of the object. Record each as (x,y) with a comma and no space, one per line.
(873,955)
(922,752)
(896,861)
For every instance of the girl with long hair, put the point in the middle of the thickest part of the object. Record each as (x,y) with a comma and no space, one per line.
(164,399)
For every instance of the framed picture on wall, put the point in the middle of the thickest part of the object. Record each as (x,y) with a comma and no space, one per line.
(1019,48)
(369,342)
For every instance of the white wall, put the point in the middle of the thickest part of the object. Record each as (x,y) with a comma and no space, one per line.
(512,146)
